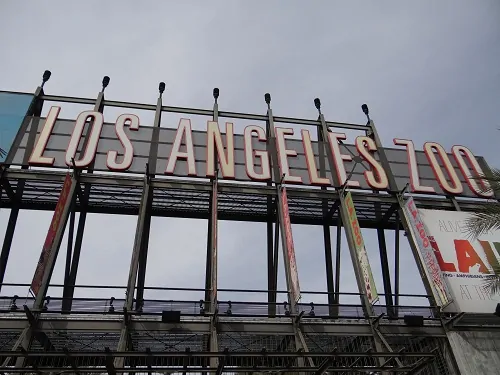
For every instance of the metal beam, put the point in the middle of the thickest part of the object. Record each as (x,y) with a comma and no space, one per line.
(396,265)
(69,289)
(201,112)
(326,227)
(31,117)
(69,251)
(272,265)
(343,214)
(50,261)
(395,192)
(337,264)
(300,343)
(143,256)
(386,276)
(212,247)
(134,265)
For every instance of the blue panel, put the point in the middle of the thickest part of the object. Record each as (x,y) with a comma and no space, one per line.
(13,109)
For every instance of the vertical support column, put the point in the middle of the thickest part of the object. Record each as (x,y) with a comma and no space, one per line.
(69,250)
(337,264)
(271,288)
(212,247)
(153,154)
(343,213)
(386,276)
(210,235)
(401,212)
(272,243)
(272,266)
(62,213)
(384,260)
(32,116)
(396,266)
(300,343)
(134,265)
(367,307)
(69,283)
(326,228)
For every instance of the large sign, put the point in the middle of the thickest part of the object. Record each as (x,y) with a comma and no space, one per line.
(124,146)
(294,274)
(361,256)
(13,109)
(47,248)
(438,283)
(463,261)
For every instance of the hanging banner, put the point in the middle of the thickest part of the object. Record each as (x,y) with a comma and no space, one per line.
(361,255)
(294,275)
(420,235)
(49,240)
(465,262)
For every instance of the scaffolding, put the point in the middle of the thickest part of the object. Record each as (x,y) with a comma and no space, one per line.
(136,335)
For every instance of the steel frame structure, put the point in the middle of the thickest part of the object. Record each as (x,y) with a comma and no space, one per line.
(125,336)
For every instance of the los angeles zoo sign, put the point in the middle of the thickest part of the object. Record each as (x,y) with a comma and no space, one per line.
(125,145)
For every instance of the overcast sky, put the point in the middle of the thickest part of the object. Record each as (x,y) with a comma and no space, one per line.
(429,71)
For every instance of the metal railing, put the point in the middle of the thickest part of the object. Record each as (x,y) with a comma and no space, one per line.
(190,302)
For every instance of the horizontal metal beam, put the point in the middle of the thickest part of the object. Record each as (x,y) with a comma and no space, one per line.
(278,326)
(230,187)
(201,112)
(243,354)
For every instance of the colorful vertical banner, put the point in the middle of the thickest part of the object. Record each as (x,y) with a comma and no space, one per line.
(294,275)
(361,255)
(420,236)
(13,110)
(36,283)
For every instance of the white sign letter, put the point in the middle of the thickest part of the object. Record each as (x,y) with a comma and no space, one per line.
(339,158)
(283,153)
(456,186)
(311,161)
(250,153)
(37,157)
(96,120)
(459,152)
(128,154)
(376,177)
(413,167)
(184,128)
(214,141)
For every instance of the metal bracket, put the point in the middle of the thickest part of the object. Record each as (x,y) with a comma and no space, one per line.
(326,363)
(298,317)
(110,367)
(376,320)
(222,361)
(71,361)
(454,320)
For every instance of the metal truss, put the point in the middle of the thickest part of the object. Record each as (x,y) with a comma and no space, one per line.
(174,198)
(83,343)
(67,334)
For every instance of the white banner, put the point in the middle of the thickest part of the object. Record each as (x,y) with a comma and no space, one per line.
(437,281)
(463,261)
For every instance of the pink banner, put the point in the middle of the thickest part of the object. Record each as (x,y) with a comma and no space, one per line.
(294,276)
(51,234)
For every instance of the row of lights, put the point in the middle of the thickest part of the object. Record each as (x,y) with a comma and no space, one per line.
(161,89)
